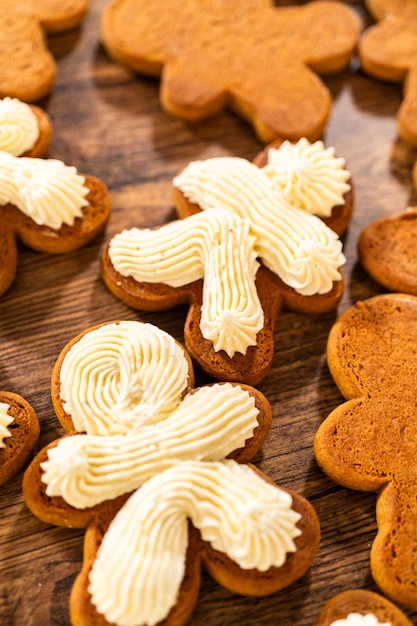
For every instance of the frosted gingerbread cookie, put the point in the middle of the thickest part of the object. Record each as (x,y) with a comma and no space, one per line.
(27,68)
(259,60)
(388,51)
(369,443)
(359,607)
(25,129)
(19,432)
(48,206)
(151,460)
(251,243)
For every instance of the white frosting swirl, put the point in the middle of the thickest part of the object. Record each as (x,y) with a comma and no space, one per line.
(5,421)
(309,175)
(207,426)
(295,245)
(358,619)
(19,130)
(141,561)
(216,246)
(121,376)
(48,191)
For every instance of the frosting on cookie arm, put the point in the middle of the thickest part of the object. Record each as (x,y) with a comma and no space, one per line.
(5,421)
(235,510)
(86,470)
(217,247)
(295,245)
(48,191)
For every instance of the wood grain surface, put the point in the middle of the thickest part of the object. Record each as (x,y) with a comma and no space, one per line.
(108,123)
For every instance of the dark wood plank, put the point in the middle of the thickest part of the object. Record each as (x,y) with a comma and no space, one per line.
(108,122)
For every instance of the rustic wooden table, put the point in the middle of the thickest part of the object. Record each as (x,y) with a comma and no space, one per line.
(108,122)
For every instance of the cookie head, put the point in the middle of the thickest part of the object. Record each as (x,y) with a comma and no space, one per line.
(388,51)
(256,59)
(249,245)
(369,443)
(150,460)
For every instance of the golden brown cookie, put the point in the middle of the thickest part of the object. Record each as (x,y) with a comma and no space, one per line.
(233,303)
(54,228)
(387,249)
(388,51)
(27,68)
(256,59)
(369,443)
(167,436)
(19,430)
(362,602)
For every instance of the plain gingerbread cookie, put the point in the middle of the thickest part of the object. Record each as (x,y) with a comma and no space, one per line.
(247,55)
(388,51)
(369,443)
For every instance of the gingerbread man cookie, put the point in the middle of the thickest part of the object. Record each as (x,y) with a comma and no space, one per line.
(27,68)
(49,206)
(145,453)
(248,55)
(19,432)
(235,215)
(369,443)
(359,607)
(388,51)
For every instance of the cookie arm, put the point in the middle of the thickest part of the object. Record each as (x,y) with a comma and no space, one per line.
(342,448)
(392,553)
(8,253)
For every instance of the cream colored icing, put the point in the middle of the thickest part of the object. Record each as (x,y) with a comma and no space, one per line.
(309,175)
(121,376)
(5,421)
(216,246)
(207,426)
(295,245)
(141,562)
(19,130)
(358,619)
(46,190)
